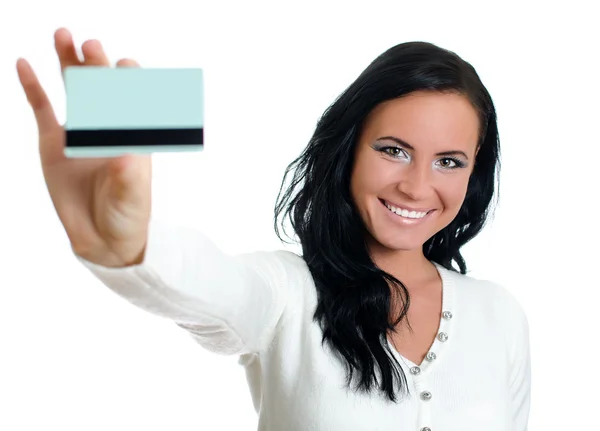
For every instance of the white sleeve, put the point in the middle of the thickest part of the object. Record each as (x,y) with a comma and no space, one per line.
(230,304)
(520,363)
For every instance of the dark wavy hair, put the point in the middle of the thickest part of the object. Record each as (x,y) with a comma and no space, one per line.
(353,307)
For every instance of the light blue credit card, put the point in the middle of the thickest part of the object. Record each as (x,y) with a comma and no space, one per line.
(127,110)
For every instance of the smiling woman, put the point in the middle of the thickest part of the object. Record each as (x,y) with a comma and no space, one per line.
(423,183)
(399,175)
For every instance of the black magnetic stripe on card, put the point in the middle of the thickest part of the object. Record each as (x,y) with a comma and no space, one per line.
(136,137)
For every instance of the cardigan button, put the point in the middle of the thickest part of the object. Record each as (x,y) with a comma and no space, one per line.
(443,336)
(425,395)
(447,315)
(415,370)
(430,356)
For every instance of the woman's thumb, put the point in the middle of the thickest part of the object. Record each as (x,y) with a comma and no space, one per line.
(130,178)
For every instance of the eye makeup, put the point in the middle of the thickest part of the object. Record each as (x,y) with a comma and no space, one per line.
(397,152)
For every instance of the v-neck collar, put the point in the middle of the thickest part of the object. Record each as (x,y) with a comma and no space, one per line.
(444,333)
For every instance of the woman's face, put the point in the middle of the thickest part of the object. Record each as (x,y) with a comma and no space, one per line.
(412,167)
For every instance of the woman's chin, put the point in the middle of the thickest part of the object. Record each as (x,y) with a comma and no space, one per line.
(399,244)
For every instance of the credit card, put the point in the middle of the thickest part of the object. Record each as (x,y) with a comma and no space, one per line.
(129,110)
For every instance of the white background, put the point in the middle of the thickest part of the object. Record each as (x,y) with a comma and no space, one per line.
(73,356)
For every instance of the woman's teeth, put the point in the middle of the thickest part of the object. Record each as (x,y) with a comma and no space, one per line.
(405,213)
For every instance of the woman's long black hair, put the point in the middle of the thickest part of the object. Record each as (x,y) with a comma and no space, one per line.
(353,308)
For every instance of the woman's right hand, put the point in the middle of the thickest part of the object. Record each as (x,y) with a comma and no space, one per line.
(103,204)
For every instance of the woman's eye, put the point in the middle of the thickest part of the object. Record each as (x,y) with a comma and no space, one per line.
(450,163)
(394,151)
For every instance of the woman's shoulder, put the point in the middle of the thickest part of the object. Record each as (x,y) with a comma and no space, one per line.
(491,297)
(286,272)
(286,263)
